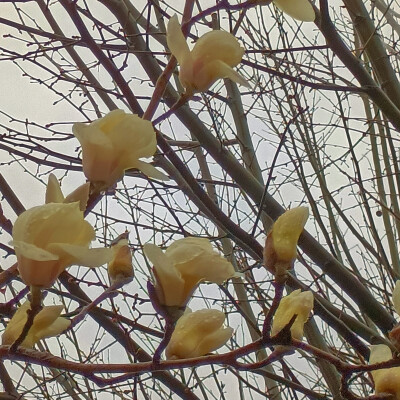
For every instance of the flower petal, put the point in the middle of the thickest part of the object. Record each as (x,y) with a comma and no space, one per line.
(82,255)
(167,276)
(176,41)
(186,249)
(80,194)
(297,9)
(218,45)
(53,191)
(151,171)
(33,252)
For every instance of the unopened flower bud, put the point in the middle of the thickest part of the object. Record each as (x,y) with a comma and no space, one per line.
(280,249)
(198,333)
(120,267)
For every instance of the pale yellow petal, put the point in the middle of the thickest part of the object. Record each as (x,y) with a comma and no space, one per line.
(46,317)
(296,303)
(151,171)
(106,124)
(196,260)
(176,41)
(53,191)
(15,325)
(57,327)
(80,194)
(297,9)
(396,297)
(218,45)
(46,323)
(386,380)
(380,353)
(213,71)
(82,255)
(33,252)
(197,334)
(213,341)
(186,249)
(54,222)
(172,285)
(286,232)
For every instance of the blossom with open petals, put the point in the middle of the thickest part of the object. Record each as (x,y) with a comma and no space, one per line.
(296,303)
(386,380)
(281,244)
(212,57)
(185,264)
(47,323)
(51,237)
(198,333)
(114,143)
(120,267)
(55,195)
(298,9)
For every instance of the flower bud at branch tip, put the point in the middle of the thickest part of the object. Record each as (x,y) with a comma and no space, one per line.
(120,267)
(198,333)
(280,249)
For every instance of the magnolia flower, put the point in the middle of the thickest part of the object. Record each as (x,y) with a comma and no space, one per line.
(114,143)
(49,238)
(185,264)
(386,380)
(55,195)
(47,323)
(120,267)
(296,303)
(198,333)
(212,57)
(297,9)
(281,243)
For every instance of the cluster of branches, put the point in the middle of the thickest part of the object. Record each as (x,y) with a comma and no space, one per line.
(319,128)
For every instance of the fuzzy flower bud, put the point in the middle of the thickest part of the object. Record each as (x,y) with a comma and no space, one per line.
(47,323)
(386,380)
(185,264)
(296,303)
(114,143)
(212,57)
(198,333)
(298,9)
(49,238)
(120,267)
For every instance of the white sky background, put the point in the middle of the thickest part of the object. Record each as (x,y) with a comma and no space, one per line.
(25,100)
